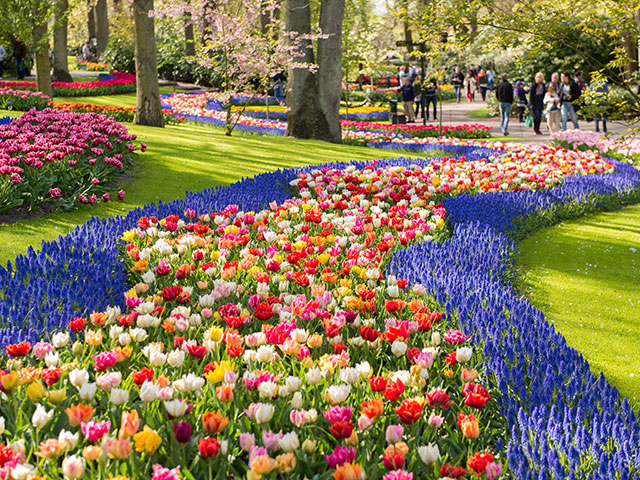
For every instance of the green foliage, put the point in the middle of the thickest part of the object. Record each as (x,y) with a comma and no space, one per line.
(121,55)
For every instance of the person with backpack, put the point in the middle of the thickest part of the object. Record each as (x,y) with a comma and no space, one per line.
(457,80)
(569,93)
(504,95)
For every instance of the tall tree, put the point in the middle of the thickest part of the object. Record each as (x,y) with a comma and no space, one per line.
(148,108)
(102,26)
(41,14)
(91,21)
(60,63)
(189,40)
(314,96)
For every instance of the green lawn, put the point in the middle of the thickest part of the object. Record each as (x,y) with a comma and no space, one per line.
(585,276)
(121,100)
(479,113)
(180,158)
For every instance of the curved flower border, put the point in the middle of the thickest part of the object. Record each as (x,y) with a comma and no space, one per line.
(565,422)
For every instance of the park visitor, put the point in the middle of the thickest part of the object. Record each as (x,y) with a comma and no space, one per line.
(555,81)
(536,101)
(471,84)
(483,83)
(429,91)
(3,53)
(417,88)
(403,74)
(569,93)
(504,95)
(580,81)
(86,52)
(491,77)
(408,96)
(552,108)
(521,100)
(413,72)
(601,92)
(457,80)
(19,55)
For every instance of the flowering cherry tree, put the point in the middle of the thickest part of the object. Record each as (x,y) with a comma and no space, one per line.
(245,40)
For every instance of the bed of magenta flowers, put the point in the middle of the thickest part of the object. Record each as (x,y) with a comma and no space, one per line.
(190,271)
(60,158)
(120,83)
(22,100)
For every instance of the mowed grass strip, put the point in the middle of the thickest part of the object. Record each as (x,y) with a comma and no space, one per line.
(182,158)
(585,276)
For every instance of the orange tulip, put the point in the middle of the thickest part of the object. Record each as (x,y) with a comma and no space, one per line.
(349,471)
(373,408)
(79,413)
(214,422)
(129,424)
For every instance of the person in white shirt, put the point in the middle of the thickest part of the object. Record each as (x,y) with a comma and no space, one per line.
(3,53)
(86,52)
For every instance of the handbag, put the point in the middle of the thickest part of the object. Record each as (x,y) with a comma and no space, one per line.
(529,120)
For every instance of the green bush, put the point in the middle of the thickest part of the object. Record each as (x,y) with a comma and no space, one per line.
(121,55)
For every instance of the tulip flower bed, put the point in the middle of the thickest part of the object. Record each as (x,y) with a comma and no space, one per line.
(269,300)
(118,113)
(61,159)
(614,146)
(122,83)
(423,131)
(207,108)
(22,100)
(280,113)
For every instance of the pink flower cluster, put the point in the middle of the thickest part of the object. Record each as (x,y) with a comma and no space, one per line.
(610,144)
(53,154)
(413,129)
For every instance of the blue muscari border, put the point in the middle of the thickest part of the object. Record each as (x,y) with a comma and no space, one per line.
(557,410)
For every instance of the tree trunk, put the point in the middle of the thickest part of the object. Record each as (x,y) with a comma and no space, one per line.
(102,27)
(41,49)
(330,65)
(307,116)
(91,22)
(189,42)
(60,64)
(148,109)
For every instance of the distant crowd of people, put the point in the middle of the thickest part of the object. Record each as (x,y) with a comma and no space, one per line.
(557,100)
(418,95)
(476,79)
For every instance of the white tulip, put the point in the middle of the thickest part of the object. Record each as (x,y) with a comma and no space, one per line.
(296,401)
(176,408)
(41,417)
(313,376)
(289,442)
(337,394)
(148,391)
(264,413)
(60,339)
(350,375)
(78,377)
(87,391)
(429,454)
(176,358)
(268,389)
(293,384)
(463,354)
(69,439)
(119,396)
(398,348)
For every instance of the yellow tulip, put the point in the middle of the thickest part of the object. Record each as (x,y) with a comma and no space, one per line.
(36,391)
(147,441)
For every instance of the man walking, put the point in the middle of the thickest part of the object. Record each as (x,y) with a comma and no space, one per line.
(504,95)
(569,93)
(408,96)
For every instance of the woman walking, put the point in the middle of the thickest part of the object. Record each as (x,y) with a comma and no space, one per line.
(483,83)
(471,83)
(536,101)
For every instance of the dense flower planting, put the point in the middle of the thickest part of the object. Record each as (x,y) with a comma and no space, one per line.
(122,83)
(313,360)
(280,113)
(614,146)
(61,158)
(118,113)
(92,66)
(207,108)
(421,131)
(563,422)
(22,100)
